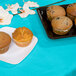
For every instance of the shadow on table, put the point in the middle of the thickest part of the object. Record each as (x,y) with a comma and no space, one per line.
(73,73)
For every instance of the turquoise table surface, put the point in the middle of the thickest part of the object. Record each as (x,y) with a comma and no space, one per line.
(49,57)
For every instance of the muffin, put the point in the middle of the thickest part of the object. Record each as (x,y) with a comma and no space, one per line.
(22,36)
(61,25)
(54,11)
(71,11)
(5,41)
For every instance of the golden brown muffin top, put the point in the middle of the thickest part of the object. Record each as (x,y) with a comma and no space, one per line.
(5,39)
(22,34)
(62,23)
(55,11)
(71,9)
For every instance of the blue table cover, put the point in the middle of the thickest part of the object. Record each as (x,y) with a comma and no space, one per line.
(49,57)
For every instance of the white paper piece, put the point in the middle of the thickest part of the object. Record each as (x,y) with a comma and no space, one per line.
(27,10)
(5,17)
(32,4)
(16,54)
(13,8)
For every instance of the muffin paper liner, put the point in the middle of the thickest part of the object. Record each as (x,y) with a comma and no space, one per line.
(64,30)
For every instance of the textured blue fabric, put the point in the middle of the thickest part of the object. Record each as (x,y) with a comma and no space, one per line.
(49,57)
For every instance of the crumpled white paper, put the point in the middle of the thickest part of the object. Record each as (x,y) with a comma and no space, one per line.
(13,8)
(26,10)
(5,17)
